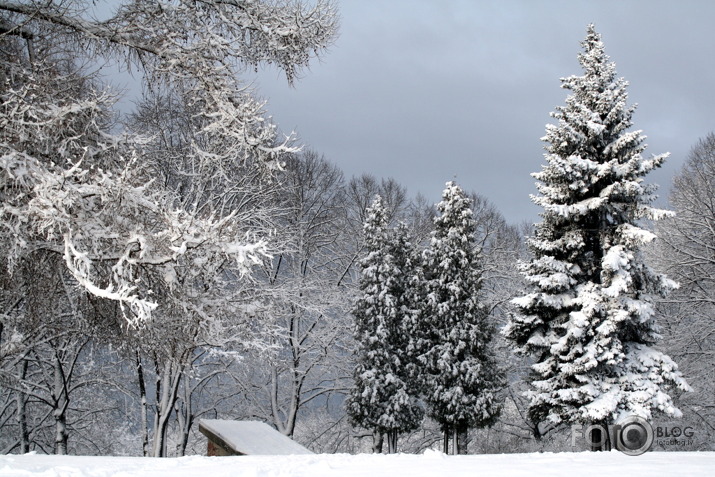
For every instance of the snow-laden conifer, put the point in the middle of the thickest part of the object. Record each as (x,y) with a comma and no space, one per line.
(589,321)
(383,398)
(461,373)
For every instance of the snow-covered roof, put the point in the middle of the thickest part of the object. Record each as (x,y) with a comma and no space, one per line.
(250,437)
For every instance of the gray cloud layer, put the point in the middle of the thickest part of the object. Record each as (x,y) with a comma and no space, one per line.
(427,91)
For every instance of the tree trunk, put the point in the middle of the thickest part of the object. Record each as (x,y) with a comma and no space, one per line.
(377,442)
(445,439)
(61,402)
(22,412)
(392,442)
(143,398)
(167,387)
(185,418)
(60,433)
(600,438)
(284,419)
(462,437)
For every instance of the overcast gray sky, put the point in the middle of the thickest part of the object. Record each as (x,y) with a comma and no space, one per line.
(427,91)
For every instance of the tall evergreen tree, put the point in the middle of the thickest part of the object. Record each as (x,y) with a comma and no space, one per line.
(383,398)
(589,322)
(462,379)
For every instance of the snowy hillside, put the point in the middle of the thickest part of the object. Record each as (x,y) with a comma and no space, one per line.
(428,464)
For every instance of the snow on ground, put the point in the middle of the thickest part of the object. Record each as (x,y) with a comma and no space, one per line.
(431,463)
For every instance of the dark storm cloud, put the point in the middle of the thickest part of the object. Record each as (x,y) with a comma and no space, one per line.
(428,91)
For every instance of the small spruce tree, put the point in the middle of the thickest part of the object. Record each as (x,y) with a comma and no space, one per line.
(383,398)
(589,322)
(461,377)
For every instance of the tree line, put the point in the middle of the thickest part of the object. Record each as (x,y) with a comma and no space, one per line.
(188,261)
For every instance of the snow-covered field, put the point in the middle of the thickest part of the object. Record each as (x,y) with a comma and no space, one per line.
(659,464)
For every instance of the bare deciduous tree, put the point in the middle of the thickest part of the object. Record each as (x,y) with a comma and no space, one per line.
(687,251)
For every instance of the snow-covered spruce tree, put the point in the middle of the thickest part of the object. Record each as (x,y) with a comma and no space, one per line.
(383,398)
(461,376)
(589,322)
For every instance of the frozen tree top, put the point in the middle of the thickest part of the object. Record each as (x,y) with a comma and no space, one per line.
(250,437)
